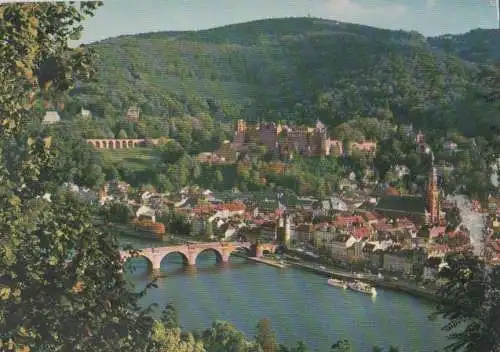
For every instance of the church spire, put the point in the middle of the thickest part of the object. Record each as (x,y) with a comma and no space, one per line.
(433,194)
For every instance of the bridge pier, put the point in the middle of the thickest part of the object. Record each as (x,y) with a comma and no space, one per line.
(156,261)
(191,259)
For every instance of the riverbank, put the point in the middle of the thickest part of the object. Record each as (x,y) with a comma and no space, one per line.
(372,280)
(312,266)
(266,261)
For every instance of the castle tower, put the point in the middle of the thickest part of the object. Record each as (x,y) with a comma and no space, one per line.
(239,134)
(325,144)
(433,196)
(241,126)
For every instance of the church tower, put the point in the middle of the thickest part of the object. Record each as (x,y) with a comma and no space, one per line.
(433,197)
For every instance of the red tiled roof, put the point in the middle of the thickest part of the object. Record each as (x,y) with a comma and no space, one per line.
(348,220)
(258,221)
(236,206)
(361,232)
(204,209)
(437,231)
(383,226)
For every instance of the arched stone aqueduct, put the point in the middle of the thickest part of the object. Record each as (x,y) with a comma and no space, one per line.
(191,251)
(116,143)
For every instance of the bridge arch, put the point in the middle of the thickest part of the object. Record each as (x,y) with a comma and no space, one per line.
(184,257)
(219,256)
(128,258)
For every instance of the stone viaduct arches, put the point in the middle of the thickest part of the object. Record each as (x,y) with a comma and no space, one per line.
(190,252)
(116,143)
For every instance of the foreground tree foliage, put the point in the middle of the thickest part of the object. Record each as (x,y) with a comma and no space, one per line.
(64,290)
(61,287)
(471,303)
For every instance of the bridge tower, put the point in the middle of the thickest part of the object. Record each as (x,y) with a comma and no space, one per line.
(259,250)
(284,232)
(288,229)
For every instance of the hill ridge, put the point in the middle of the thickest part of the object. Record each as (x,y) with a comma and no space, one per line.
(309,68)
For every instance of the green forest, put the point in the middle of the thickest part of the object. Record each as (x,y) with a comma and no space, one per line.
(296,69)
(363,83)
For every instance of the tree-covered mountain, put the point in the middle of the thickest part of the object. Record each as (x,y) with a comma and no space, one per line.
(292,68)
(479,45)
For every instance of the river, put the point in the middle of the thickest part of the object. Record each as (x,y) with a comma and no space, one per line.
(299,304)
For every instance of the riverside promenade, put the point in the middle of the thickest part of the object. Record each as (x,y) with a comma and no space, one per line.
(400,286)
(262,260)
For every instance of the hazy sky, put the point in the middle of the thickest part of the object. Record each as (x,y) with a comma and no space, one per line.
(430,17)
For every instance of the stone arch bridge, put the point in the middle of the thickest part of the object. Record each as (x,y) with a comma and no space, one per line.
(191,251)
(116,143)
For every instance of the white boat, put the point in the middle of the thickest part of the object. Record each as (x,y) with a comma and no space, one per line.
(337,283)
(362,287)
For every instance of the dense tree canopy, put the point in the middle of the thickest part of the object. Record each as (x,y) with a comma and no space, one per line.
(61,287)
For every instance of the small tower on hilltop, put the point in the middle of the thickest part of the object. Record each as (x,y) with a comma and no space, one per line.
(133,114)
(241,126)
(239,133)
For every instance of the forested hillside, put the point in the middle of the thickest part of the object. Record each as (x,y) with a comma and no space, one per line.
(295,68)
(479,45)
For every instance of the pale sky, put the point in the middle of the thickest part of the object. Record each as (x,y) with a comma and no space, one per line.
(430,17)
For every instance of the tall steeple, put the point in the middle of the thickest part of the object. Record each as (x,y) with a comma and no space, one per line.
(433,194)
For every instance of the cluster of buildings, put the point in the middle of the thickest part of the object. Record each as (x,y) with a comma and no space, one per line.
(389,231)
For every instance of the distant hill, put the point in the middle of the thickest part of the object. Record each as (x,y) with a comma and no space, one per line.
(479,45)
(291,68)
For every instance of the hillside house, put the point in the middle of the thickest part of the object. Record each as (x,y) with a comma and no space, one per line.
(329,206)
(51,117)
(86,114)
(450,146)
(400,170)
(227,210)
(133,114)
(145,212)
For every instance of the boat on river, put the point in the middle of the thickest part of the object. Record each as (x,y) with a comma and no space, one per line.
(337,283)
(362,287)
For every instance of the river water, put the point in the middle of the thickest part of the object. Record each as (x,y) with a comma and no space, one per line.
(299,304)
